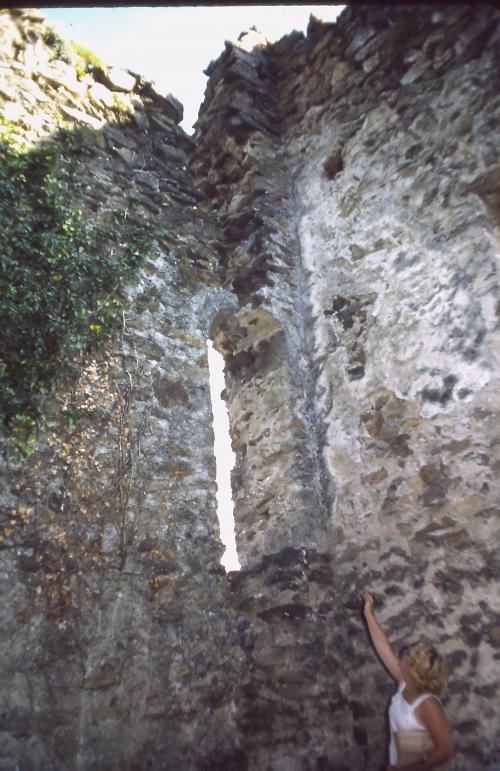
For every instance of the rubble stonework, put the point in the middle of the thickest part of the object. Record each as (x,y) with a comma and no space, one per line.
(111,575)
(333,226)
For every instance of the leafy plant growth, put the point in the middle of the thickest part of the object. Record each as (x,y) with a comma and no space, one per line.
(89,57)
(71,52)
(62,278)
(55,41)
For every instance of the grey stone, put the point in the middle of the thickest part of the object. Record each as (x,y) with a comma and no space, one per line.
(119,139)
(149,179)
(58,73)
(118,79)
(100,95)
(128,156)
(81,117)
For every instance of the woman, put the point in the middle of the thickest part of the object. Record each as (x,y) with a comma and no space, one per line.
(416,716)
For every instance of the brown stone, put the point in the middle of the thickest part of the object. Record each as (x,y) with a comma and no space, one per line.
(373,422)
(495,633)
(375,476)
(333,164)
(99,680)
(430,473)
(169,391)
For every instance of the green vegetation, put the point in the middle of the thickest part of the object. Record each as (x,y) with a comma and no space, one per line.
(55,41)
(81,57)
(89,57)
(62,277)
(121,111)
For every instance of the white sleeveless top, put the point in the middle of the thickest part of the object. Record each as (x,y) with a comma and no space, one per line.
(402,717)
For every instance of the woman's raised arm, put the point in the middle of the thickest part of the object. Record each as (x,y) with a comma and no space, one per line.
(380,640)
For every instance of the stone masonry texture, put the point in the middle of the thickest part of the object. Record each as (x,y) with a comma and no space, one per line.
(334,226)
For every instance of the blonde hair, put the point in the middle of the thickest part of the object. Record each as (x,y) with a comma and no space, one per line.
(427,668)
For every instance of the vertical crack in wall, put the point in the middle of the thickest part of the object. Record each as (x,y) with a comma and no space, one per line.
(308,371)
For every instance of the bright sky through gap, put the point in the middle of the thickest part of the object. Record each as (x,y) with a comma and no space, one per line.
(224,458)
(173,45)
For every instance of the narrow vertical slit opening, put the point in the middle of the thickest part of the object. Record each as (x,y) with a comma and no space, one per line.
(224,459)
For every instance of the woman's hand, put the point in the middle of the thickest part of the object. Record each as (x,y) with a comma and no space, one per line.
(368,600)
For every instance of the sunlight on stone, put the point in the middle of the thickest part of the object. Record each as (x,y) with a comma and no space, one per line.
(224,457)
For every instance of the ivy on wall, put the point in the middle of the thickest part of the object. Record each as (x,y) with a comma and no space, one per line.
(62,277)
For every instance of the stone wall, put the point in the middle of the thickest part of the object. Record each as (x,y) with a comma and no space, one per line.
(333,226)
(356,178)
(111,581)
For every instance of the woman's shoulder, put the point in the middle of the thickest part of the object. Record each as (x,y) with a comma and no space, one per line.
(427,704)
(427,697)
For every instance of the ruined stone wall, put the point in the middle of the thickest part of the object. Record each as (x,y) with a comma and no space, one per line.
(404,234)
(110,574)
(357,186)
(333,226)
